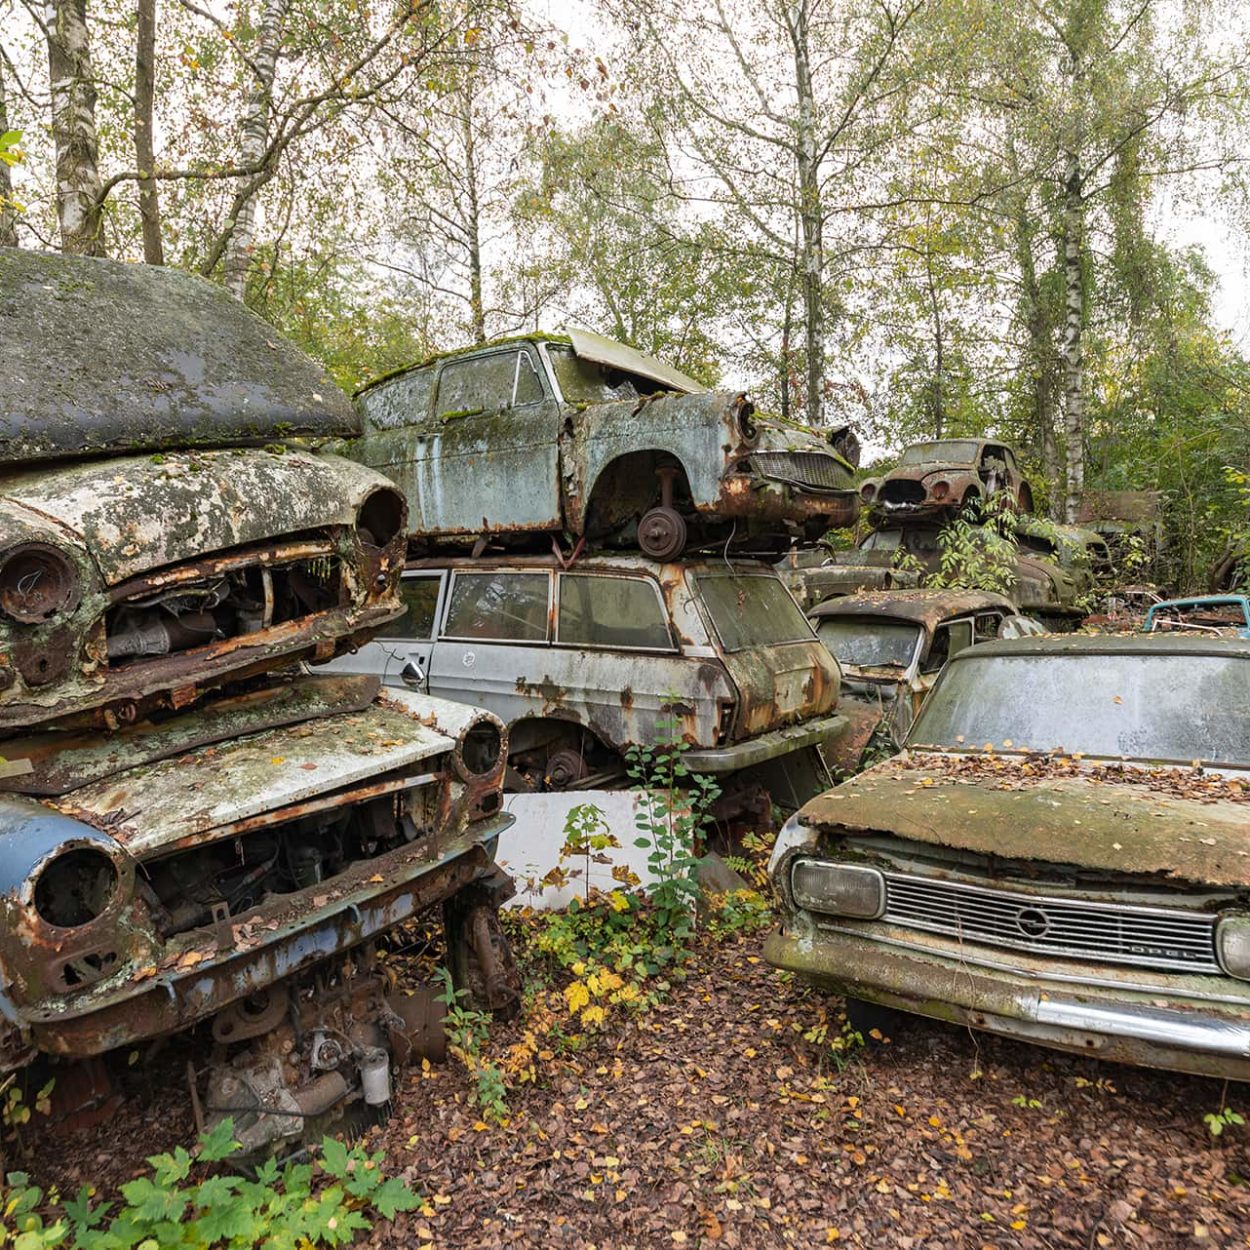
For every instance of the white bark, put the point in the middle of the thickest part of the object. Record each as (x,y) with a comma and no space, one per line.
(73,95)
(1073,335)
(254,141)
(811,213)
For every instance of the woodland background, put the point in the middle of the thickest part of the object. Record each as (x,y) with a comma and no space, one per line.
(926,217)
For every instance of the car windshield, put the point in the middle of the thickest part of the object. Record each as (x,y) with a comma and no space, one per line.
(1167,706)
(584,382)
(952,451)
(864,642)
(752,611)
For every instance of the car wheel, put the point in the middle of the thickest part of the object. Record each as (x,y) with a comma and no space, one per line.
(480,956)
(866,1017)
(662,533)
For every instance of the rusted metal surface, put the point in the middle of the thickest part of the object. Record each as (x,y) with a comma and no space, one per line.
(846,752)
(184,569)
(509,471)
(815,574)
(927,608)
(105,358)
(63,760)
(945,476)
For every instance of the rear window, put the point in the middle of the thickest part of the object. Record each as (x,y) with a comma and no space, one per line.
(600,611)
(503,607)
(752,611)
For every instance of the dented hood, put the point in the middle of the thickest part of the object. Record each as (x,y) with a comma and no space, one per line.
(1121,828)
(143,512)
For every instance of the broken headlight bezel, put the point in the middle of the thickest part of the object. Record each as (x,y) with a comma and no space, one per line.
(38,583)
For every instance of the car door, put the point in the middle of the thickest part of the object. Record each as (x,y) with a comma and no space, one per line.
(949,638)
(493,642)
(492,461)
(400,655)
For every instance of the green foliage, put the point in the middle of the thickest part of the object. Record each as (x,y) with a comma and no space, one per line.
(285,1207)
(1219,1122)
(975,554)
(468,1032)
(10,153)
(738,912)
(586,836)
(671,815)
(15,1112)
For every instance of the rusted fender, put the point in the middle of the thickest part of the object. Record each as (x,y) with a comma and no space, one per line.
(845,752)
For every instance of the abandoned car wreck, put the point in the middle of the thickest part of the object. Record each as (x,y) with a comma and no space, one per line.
(1076,872)
(584,436)
(197,830)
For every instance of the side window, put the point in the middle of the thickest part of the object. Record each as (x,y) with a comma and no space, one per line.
(478,384)
(988,625)
(527,387)
(403,401)
(420,598)
(597,611)
(948,640)
(505,607)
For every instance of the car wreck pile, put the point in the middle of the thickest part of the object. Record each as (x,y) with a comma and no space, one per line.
(200,832)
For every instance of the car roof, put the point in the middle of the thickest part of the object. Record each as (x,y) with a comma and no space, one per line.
(105,358)
(926,607)
(1108,644)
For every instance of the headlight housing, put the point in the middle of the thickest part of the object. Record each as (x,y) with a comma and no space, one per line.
(76,887)
(480,749)
(940,489)
(837,889)
(1232,946)
(37,583)
(867,491)
(792,834)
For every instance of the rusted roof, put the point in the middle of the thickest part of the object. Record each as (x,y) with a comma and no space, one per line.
(925,607)
(101,357)
(1107,644)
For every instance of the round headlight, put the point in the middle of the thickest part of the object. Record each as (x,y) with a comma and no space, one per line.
(940,489)
(838,889)
(1232,945)
(480,749)
(867,491)
(37,583)
(76,887)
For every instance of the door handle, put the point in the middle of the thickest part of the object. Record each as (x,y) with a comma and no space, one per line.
(411,674)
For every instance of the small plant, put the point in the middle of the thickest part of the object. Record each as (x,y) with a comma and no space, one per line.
(1219,1122)
(468,1030)
(278,1207)
(670,819)
(586,835)
(1030,1104)
(15,1113)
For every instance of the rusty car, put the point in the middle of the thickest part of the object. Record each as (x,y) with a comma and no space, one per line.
(1039,586)
(1060,855)
(945,476)
(891,647)
(583,660)
(1227,615)
(818,572)
(578,435)
(198,832)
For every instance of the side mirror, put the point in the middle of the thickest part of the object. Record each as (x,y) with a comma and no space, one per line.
(411,675)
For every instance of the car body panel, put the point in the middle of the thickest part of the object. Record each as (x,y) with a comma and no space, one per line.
(204,372)
(953,472)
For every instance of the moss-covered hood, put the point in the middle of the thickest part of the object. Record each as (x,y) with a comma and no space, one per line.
(1125,828)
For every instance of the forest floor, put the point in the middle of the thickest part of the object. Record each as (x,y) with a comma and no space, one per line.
(723,1117)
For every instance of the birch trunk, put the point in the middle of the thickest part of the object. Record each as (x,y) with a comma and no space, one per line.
(73,96)
(811,216)
(1073,344)
(8,215)
(477,310)
(145,158)
(253,143)
(937,399)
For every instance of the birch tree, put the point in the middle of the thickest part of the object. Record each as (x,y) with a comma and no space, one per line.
(72,88)
(145,155)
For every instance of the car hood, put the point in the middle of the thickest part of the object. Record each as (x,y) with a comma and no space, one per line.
(777,435)
(139,513)
(1126,828)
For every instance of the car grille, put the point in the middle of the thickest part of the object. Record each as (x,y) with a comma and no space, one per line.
(813,469)
(903,490)
(1145,937)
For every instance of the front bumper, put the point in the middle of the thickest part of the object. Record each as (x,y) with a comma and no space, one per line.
(751,496)
(1197,1024)
(206,969)
(765,747)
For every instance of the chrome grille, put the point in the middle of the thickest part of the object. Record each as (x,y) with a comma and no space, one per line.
(813,469)
(1145,937)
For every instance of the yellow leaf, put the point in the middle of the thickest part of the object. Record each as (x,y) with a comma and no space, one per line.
(594,1015)
(831,1235)
(278,759)
(576,996)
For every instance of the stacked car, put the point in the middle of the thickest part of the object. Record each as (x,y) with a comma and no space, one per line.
(201,832)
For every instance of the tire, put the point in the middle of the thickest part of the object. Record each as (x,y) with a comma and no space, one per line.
(864,1017)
